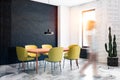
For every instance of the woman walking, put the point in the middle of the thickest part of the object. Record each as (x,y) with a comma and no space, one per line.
(91,38)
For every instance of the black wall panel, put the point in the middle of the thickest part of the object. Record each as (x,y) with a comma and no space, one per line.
(5,30)
(24,22)
(29,22)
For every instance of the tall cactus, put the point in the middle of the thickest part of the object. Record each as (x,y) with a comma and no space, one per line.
(112,51)
(114,47)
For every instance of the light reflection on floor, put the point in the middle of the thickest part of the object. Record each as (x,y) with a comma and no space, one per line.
(10,72)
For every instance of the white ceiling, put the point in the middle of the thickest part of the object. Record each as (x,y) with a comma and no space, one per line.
(64,2)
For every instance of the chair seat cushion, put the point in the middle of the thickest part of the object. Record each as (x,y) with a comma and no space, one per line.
(32,55)
(30,59)
(27,59)
(45,54)
(47,59)
(67,57)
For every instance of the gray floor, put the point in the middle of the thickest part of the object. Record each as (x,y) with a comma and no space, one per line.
(11,72)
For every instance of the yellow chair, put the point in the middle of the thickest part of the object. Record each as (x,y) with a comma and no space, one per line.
(72,54)
(48,46)
(31,47)
(22,55)
(72,45)
(55,55)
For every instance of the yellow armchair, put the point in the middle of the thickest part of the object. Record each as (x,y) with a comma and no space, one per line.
(72,54)
(22,55)
(31,47)
(55,55)
(48,46)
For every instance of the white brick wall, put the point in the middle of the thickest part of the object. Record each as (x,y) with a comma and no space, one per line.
(107,14)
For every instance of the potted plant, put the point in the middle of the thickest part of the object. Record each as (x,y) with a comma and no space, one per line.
(111,49)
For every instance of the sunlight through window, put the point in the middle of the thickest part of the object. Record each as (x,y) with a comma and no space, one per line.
(86,16)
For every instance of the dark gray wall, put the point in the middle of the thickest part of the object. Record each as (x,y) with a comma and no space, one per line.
(24,22)
(5,30)
(29,22)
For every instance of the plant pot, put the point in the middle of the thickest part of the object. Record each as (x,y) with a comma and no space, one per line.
(112,61)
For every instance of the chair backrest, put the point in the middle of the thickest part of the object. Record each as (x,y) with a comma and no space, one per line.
(21,53)
(47,46)
(55,54)
(73,45)
(74,52)
(30,47)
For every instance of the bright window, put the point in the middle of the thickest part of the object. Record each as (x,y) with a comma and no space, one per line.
(86,16)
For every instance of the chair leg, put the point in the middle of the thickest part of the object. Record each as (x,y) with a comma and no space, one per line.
(34,65)
(23,65)
(27,65)
(44,66)
(54,65)
(63,63)
(71,64)
(60,66)
(51,67)
(19,66)
(77,63)
(40,63)
(31,65)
